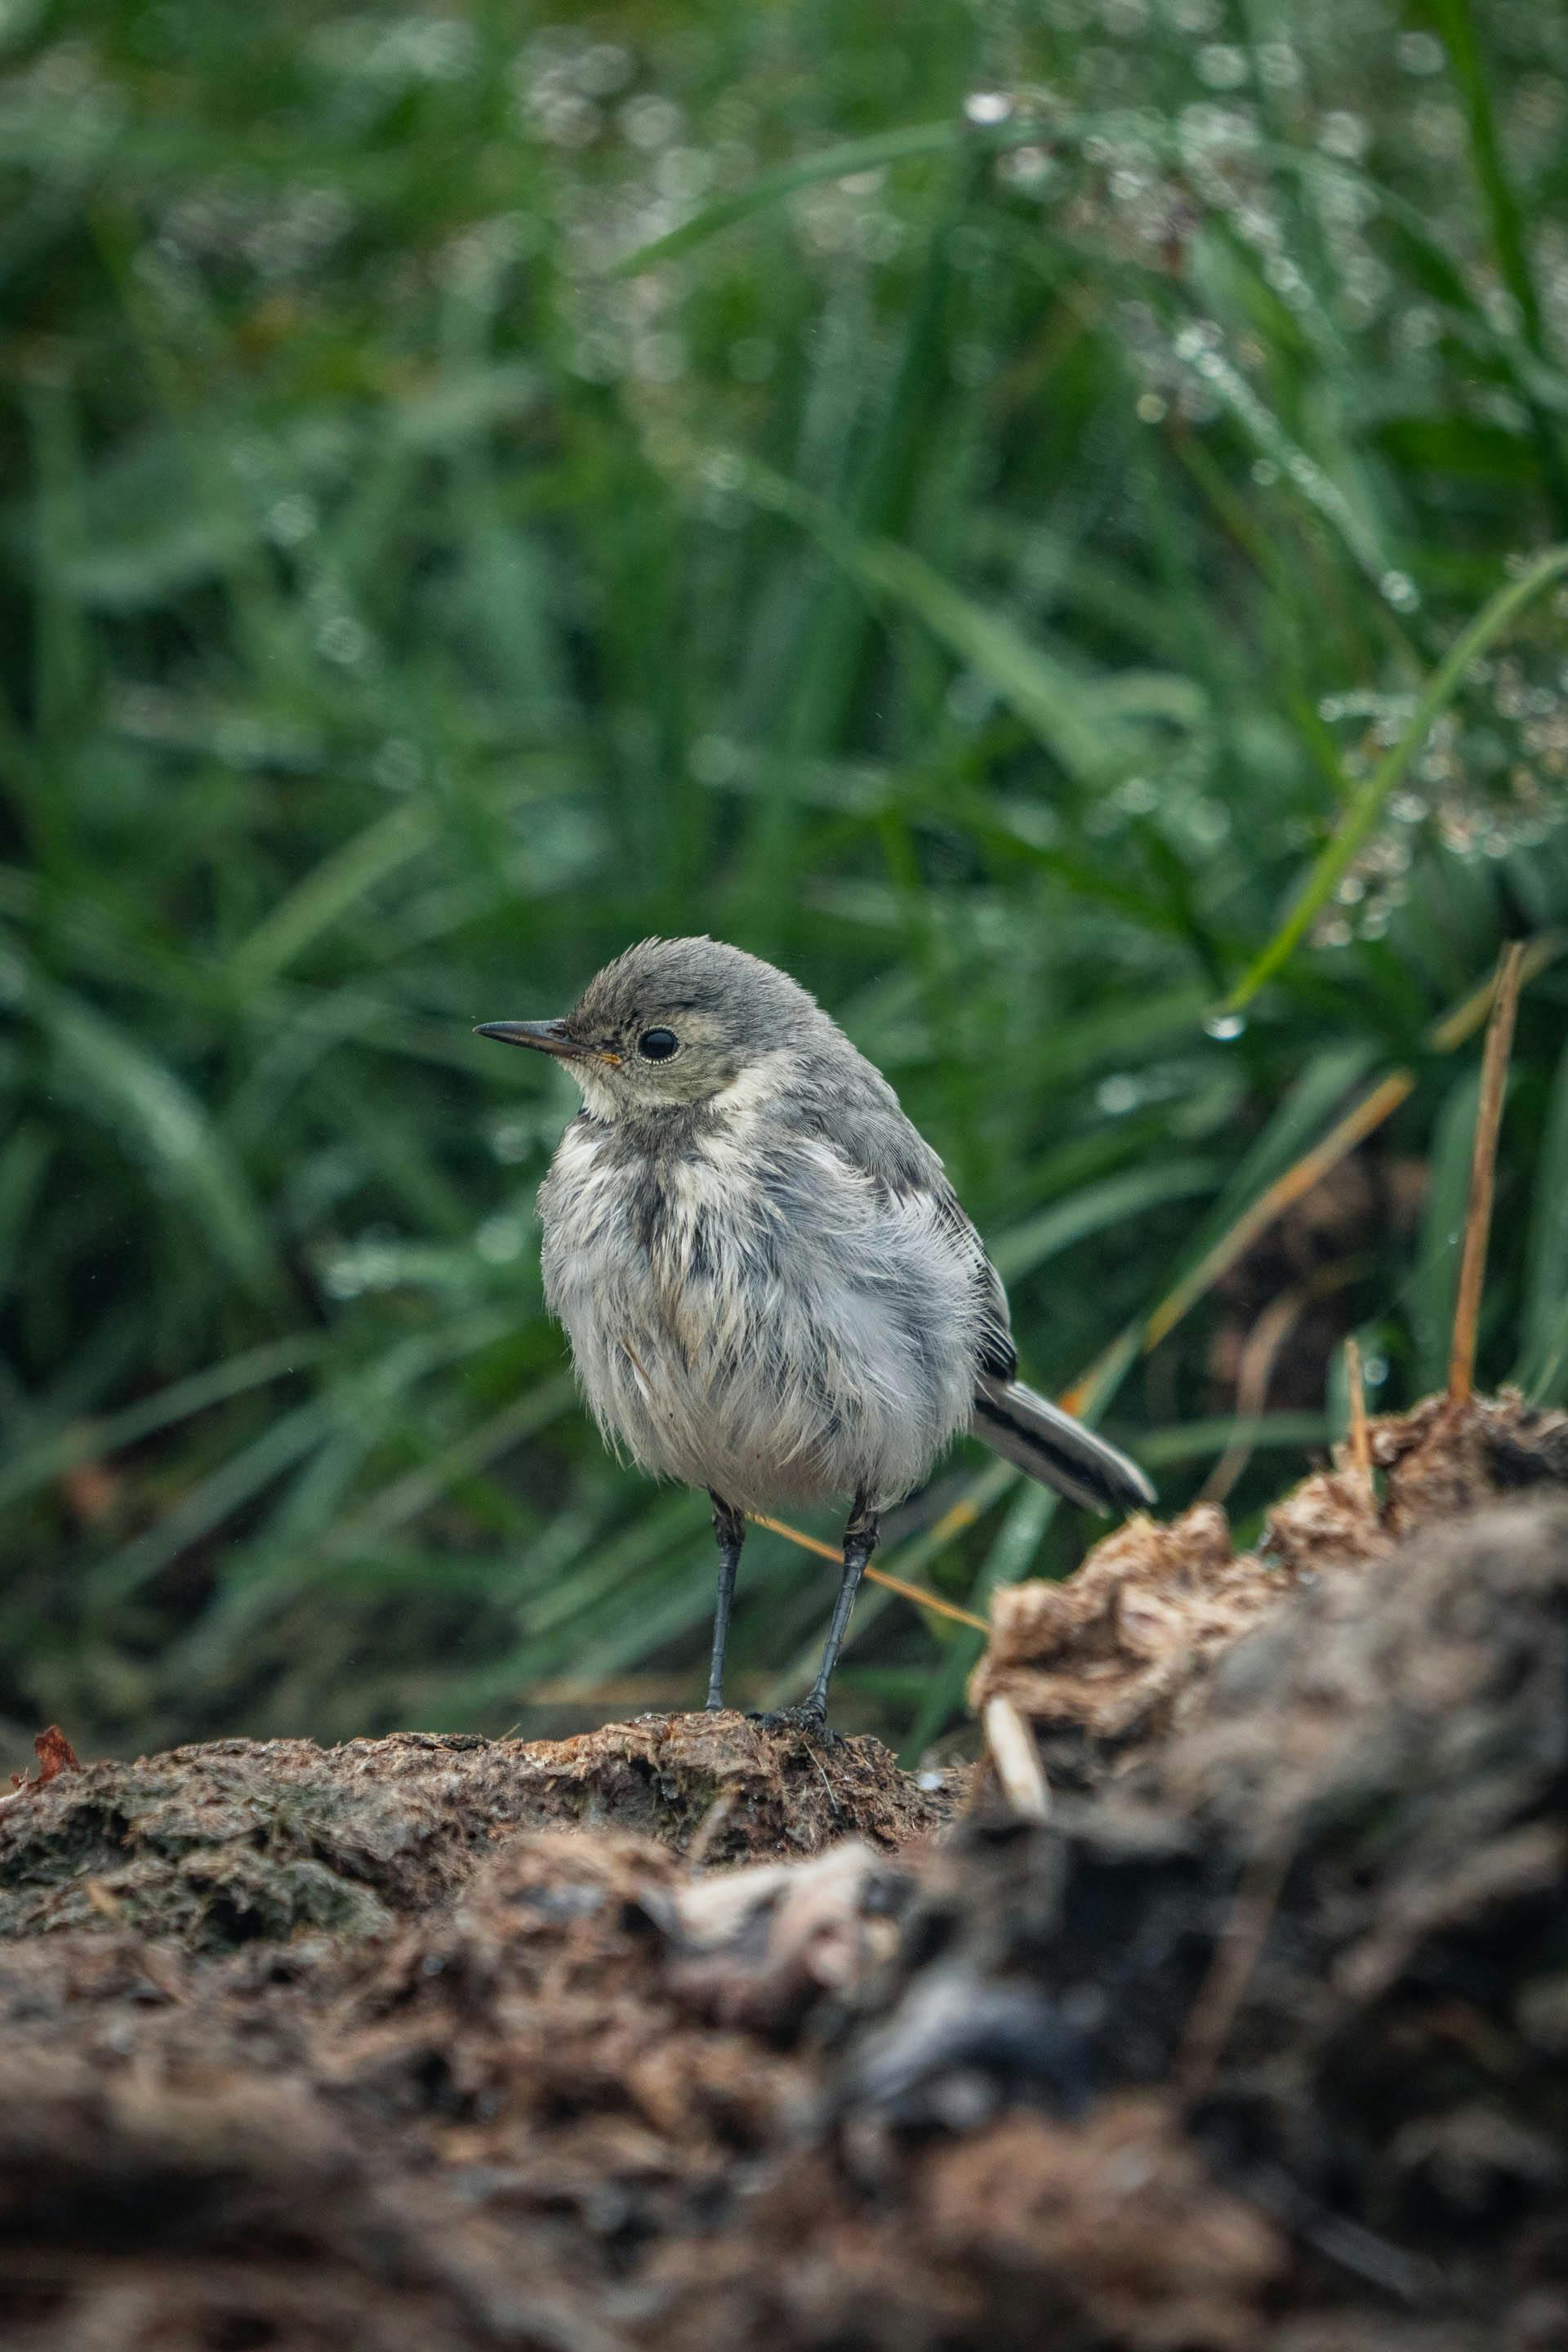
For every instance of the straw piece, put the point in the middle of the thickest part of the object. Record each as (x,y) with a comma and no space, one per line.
(1017,1760)
(1361,1437)
(1483,1169)
(1259,1357)
(915,1592)
(1357,1124)
(795,1535)
(1444,1036)
(924,1600)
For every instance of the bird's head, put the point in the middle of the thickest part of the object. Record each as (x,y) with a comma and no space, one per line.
(669,1025)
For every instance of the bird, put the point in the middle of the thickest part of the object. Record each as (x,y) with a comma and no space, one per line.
(770,1290)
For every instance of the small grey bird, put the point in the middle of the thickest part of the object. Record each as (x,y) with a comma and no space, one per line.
(769,1287)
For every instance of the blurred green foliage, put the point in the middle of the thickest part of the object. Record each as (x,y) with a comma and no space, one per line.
(958,499)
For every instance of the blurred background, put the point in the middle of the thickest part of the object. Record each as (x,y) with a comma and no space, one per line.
(963,500)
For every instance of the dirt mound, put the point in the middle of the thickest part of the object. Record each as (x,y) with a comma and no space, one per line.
(688,2036)
(215,1845)
(1121,1655)
(1322,1936)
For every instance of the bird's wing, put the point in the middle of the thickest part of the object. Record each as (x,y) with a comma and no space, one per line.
(997,1356)
(861,1118)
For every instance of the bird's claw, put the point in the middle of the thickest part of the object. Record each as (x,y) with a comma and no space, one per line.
(808,1715)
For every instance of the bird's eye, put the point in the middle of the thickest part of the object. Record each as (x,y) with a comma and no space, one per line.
(657,1045)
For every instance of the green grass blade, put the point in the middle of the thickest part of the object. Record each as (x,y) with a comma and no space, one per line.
(1442,1232)
(1079,720)
(44,1458)
(340,883)
(24,1164)
(158,1118)
(1308,1108)
(1459,38)
(1098,1208)
(1012,1555)
(1200,1440)
(874,154)
(210,1501)
(1366,808)
(1546,1276)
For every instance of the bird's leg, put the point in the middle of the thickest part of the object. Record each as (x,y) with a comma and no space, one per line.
(730,1528)
(860,1543)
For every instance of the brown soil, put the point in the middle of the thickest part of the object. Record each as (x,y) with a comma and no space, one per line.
(220,1844)
(690,2035)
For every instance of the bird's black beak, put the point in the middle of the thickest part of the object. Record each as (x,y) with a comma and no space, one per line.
(544,1036)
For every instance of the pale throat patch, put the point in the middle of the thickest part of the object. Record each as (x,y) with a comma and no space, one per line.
(599,1099)
(738,1102)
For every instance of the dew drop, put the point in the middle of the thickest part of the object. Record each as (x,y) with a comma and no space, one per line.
(1224,1026)
(985,106)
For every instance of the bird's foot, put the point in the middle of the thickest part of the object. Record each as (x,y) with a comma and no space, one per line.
(811,1714)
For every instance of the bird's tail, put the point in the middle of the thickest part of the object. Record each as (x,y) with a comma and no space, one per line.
(1055,1449)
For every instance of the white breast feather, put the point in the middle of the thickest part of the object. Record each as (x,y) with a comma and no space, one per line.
(850,1365)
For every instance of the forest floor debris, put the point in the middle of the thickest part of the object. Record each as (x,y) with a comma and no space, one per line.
(695,2035)
(1121,1653)
(55,1755)
(243,1838)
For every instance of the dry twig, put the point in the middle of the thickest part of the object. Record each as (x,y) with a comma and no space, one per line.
(1445,1036)
(1017,1760)
(915,1592)
(1359,1436)
(1259,1357)
(1483,1165)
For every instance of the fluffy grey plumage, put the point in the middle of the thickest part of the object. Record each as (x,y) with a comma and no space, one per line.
(768,1284)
